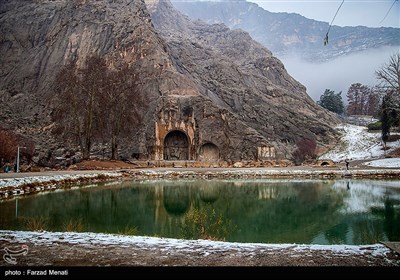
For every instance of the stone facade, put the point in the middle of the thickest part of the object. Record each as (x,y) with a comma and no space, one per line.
(182,131)
(174,134)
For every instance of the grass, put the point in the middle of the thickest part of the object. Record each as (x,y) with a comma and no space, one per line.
(74,226)
(35,223)
(128,230)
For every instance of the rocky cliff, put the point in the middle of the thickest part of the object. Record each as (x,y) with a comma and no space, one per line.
(241,75)
(212,93)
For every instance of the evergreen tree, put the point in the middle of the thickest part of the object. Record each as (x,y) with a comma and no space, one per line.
(332,101)
(385,119)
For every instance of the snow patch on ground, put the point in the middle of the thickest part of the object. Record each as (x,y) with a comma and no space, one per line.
(386,162)
(356,143)
(359,144)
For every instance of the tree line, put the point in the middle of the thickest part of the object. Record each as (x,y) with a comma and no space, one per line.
(381,101)
(361,99)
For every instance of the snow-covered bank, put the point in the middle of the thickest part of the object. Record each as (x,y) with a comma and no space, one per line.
(19,181)
(40,238)
(359,144)
(96,249)
(12,187)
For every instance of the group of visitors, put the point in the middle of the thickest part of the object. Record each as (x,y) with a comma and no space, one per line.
(7,167)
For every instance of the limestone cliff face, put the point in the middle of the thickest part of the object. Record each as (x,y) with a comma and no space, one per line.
(212,93)
(39,37)
(243,77)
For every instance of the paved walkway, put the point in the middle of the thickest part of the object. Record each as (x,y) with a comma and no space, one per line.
(49,173)
(339,167)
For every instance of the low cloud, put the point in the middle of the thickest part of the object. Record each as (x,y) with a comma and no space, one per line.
(338,74)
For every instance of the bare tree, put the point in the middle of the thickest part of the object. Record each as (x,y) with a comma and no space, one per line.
(92,84)
(373,102)
(67,114)
(357,97)
(121,103)
(305,150)
(8,146)
(97,103)
(78,94)
(389,74)
(9,142)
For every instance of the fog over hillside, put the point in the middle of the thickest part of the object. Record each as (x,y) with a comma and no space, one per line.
(340,73)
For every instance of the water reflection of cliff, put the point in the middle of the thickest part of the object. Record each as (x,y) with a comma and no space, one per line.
(175,198)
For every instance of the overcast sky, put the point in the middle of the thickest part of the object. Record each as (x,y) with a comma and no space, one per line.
(352,13)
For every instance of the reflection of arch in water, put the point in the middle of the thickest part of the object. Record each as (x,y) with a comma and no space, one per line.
(176,199)
(176,146)
(209,193)
(209,152)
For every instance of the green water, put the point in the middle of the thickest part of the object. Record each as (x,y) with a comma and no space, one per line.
(265,211)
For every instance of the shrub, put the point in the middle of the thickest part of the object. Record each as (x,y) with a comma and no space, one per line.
(9,142)
(35,223)
(305,150)
(8,146)
(74,226)
(393,138)
(375,126)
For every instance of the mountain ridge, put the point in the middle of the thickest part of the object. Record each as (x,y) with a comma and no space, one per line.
(287,33)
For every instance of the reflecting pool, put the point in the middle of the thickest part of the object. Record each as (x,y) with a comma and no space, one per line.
(263,211)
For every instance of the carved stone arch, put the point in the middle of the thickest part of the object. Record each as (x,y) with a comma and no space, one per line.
(209,152)
(176,146)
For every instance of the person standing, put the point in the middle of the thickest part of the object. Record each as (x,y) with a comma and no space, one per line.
(6,168)
(347,163)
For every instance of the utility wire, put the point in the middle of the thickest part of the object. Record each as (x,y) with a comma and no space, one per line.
(330,25)
(388,11)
